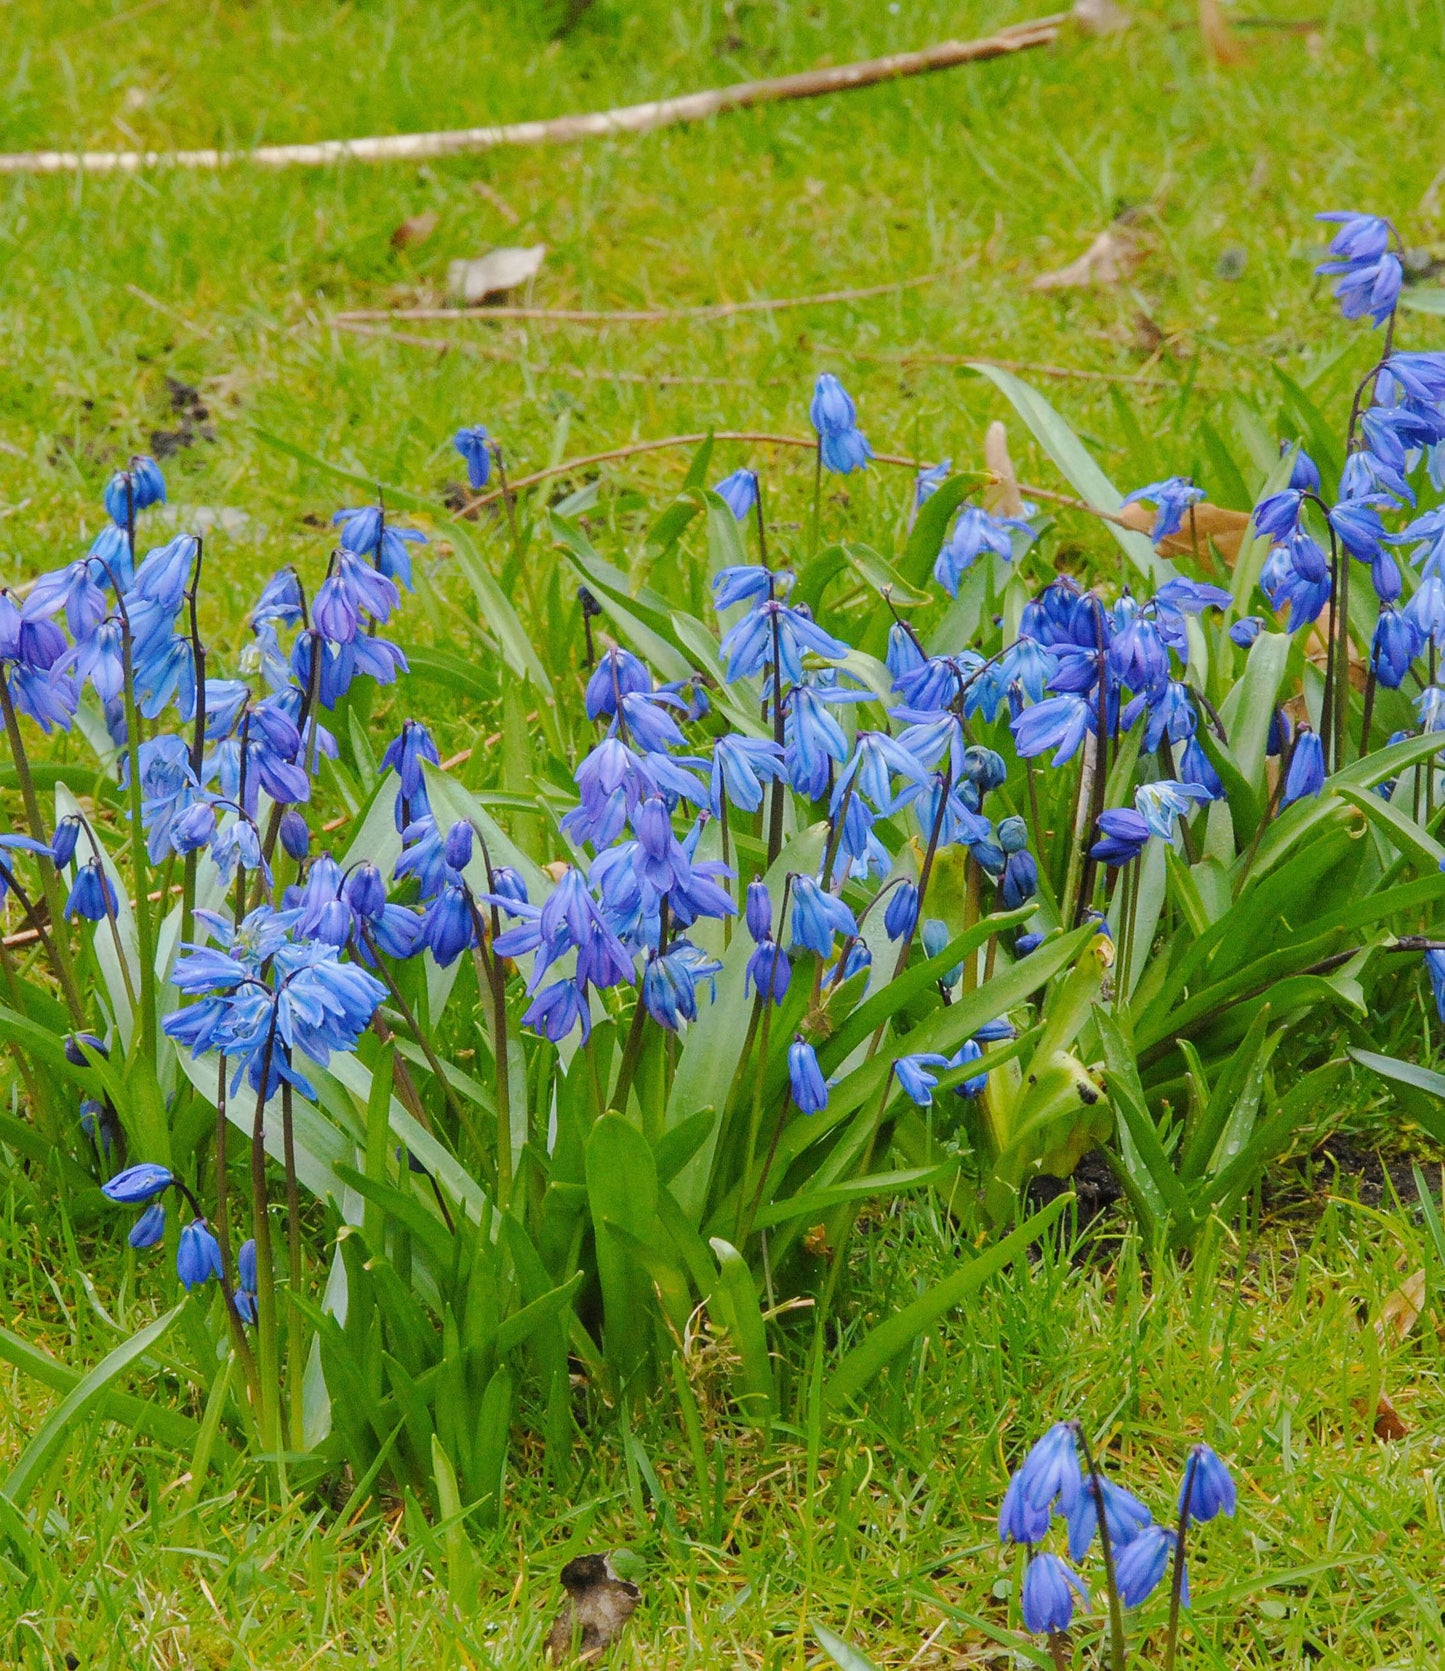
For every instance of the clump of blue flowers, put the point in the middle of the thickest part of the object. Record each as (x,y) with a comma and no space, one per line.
(1059,1479)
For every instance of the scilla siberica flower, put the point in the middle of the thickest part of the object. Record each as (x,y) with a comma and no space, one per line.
(835,418)
(769,972)
(1124,1515)
(1171,499)
(473,445)
(367,533)
(91,894)
(1048,1595)
(1207,1489)
(739,492)
(1141,1563)
(805,1077)
(1306,775)
(1367,273)
(817,917)
(1046,1480)
(139,1183)
(915,1078)
(198,1256)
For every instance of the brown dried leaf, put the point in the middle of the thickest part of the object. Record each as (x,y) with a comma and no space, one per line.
(1401,1310)
(1002,496)
(1222,46)
(1110,259)
(415,230)
(1388,1424)
(1211,522)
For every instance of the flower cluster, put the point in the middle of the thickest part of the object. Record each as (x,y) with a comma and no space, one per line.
(1137,1552)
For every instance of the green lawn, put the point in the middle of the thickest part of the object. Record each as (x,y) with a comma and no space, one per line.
(114,293)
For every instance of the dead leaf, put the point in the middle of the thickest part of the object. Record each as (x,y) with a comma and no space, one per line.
(1100,17)
(815,1243)
(1222,46)
(415,230)
(1002,497)
(1388,1424)
(1211,522)
(493,274)
(1401,1310)
(497,201)
(1110,259)
(599,1603)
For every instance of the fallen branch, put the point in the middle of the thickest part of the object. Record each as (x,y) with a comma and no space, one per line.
(636,316)
(561,130)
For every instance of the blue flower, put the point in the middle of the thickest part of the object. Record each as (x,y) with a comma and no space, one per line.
(557,1009)
(805,1077)
(748,645)
(835,418)
(1048,1595)
(740,767)
(1367,273)
(1170,498)
(295,836)
(1020,880)
(618,673)
(133,490)
(1125,835)
(1124,1515)
(1206,1489)
(1141,1563)
(747,583)
(1059,722)
(901,913)
(1396,643)
(739,492)
(817,917)
(365,532)
(1244,631)
(669,983)
(914,1078)
(149,1228)
(1159,804)
(1195,767)
(472,444)
(447,928)
(139,1183)
(91,894)
(198,1256)
(352,593)
(1435,968)
(974,532)
(1048,1478)
(759,912)
(769,972)
(1426,611)
(1277,517)
(969,1051)
(1306,775)
(928,481)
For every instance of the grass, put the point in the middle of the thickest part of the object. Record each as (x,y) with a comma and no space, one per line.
(113,292)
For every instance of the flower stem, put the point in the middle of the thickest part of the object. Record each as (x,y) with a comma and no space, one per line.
(266,1346)
(295,1322)
(817,499)
(1106,1546)
(49,876)
(1176,1586)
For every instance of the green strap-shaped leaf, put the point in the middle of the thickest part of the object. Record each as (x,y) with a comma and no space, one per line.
(900,1331)
(83,1397)
(843,1654)
(1077,465)
(736,1297)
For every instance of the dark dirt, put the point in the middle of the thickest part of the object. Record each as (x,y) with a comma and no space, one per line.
(193,421)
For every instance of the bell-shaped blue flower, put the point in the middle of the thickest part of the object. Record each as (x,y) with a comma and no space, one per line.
(759,911)
(1207,1489)
(150,1227)
(91,894)
(1306,775)
(739,492)
(1141,1563)
(901,913)
(817,917)
(769,972)
(1124,1515)
(198,1255)
(473,444)
(805,1077)
(1050,1587)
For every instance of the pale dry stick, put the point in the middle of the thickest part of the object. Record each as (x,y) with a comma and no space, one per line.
(561,130)
(903,357)
(642,316)
(446,345)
